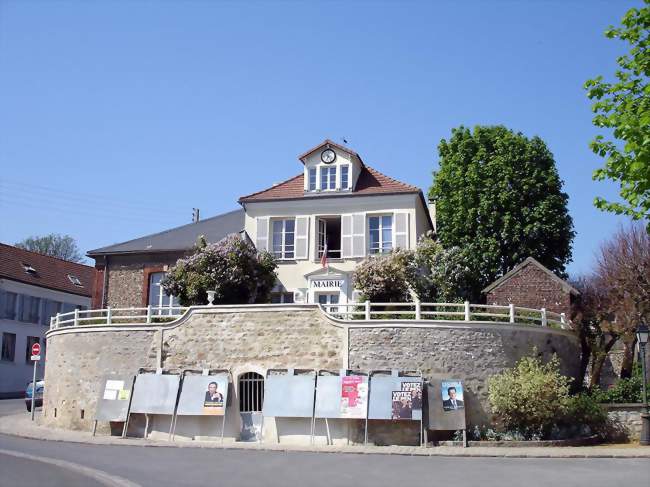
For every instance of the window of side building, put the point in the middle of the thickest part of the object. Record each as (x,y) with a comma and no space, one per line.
(158,299)
(8,347)
(283,238)
(277,298)
(8,305)
(380,232)
(30,309)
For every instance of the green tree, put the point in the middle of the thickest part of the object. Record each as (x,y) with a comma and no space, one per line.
(61,246)
(623,106)
(499,198)
(232,268)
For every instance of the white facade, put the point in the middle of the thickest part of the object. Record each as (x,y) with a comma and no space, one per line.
(17,327)
(353,225)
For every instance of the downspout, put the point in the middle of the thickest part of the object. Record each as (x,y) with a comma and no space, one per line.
(105,287)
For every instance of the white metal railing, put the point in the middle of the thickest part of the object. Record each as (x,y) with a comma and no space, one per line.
(115,316)
(447,312)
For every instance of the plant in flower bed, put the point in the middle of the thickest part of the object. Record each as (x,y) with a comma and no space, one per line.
(624,391)
(532,401)
(231,267)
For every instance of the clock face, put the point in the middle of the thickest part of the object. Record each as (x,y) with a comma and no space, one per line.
(328,156)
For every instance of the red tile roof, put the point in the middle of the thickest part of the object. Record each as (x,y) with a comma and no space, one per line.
(49,272)
(370,182)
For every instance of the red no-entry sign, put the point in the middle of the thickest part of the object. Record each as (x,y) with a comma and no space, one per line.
(36,349)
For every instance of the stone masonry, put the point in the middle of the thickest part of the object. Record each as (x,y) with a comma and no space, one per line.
(256,338)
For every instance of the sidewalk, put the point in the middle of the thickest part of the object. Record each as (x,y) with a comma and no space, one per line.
(20,425)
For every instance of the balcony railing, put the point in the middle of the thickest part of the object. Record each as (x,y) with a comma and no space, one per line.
(447,312)
(414,311)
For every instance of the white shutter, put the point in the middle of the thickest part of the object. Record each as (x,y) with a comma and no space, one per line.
(358,235)
(346,236)
(302,236)
(262,240)
(401,230)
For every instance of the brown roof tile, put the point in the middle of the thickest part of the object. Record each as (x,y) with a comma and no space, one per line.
(49,272)
(370,182)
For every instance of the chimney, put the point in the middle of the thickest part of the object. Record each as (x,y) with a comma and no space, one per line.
(432,214)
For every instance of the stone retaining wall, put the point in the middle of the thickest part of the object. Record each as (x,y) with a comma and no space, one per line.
(626,418)
(256,338)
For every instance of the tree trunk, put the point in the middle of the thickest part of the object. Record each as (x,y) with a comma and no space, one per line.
(585,357)
(627,365)
(599,361)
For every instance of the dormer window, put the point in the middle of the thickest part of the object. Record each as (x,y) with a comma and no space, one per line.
(345,177)
(312,179)
(328,178)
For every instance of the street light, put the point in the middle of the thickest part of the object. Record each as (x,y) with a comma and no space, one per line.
(642,334)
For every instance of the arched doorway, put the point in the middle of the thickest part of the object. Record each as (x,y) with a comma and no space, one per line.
(250,390)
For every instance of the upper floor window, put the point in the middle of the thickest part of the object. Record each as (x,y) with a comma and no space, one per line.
(328,178)
(8,305)
(345,177)
(30,310)
(283,238)
(380,233)
(158,299)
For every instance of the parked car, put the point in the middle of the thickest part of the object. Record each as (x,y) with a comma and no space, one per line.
(38,398)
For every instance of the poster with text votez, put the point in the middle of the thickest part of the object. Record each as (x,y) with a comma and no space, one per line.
(155,393)
(203,395)
(341,396)
(395,397)
(114,396)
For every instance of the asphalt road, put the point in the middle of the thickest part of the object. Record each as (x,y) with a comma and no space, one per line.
(45,463)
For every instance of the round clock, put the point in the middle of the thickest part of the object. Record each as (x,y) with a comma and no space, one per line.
(328,156)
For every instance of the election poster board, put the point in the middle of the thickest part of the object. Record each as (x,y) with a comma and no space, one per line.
(446,404)
(114,397)
(395,397)
(354,397)
(203,395)
(289,395)
(155,393)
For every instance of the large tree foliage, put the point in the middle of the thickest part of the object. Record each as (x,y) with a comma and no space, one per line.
(61,246)
(232,268)
(624,107)
(499,198)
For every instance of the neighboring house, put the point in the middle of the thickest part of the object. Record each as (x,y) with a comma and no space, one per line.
(33,288)
(337,209)
(531,285)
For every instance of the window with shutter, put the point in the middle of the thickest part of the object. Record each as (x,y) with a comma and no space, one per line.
(402,230)
(262,240)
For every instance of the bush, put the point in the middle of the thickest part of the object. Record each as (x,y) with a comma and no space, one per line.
(584,416)
(624,391)
(385,278)
(232,268)
(531,397)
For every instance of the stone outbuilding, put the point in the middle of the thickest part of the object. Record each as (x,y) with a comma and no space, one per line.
(532,285)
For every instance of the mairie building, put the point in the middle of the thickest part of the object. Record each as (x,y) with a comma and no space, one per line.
(319,225)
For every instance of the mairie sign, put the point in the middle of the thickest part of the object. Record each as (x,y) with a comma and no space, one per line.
(327,283)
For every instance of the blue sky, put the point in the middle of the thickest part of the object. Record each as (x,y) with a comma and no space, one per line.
(117,118)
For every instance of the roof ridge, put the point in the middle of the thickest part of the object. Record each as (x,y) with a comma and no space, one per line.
(46,256)
(163,232)
(274,186)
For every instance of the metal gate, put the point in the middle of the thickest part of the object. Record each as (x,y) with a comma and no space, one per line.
(251,398)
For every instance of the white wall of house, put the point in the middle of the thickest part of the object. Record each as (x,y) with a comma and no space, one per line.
(16,373)
(303,274)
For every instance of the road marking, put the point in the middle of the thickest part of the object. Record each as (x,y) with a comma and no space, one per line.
(99,475)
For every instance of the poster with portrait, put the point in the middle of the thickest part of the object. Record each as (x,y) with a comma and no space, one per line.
(203,395)
(354,397)
(452,395)
(402,405)
(415,388)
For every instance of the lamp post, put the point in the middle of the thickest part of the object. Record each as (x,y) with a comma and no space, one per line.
(642,334)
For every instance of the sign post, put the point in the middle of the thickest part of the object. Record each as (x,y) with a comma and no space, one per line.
(36,356)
